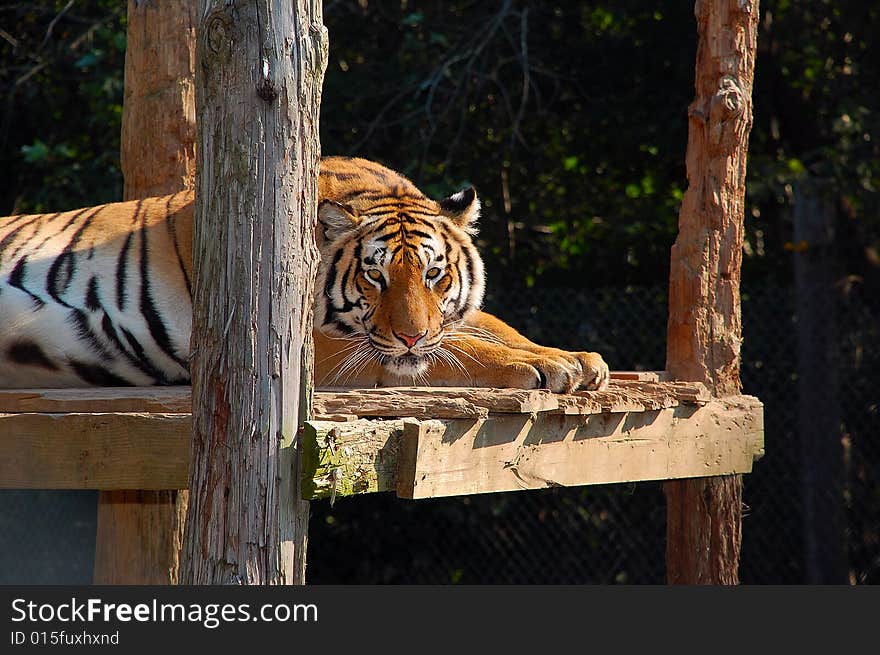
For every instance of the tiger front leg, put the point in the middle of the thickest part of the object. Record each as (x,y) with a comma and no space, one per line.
(593,370)
(474,362)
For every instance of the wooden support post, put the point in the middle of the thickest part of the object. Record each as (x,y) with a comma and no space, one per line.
(704,515)
(139,532)
(260,66)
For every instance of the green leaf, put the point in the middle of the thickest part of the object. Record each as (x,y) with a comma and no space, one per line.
(35,153)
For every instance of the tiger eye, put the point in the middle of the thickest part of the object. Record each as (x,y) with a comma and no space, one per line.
(374,274)
(432,273)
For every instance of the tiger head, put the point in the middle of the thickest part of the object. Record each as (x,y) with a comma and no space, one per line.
(398,271)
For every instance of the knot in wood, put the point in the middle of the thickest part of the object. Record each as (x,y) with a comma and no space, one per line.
(725,107)
(217,36)
(727,101)
(266,87)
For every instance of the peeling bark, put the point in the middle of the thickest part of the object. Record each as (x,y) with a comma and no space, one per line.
(259,72)
(705,327)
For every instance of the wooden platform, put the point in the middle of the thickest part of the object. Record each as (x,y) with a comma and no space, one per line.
(417,441)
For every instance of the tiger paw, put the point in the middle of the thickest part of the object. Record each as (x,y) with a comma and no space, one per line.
(594,371)
(555,374)
(585,370)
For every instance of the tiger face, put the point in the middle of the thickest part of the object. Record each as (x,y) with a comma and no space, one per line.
(399,272)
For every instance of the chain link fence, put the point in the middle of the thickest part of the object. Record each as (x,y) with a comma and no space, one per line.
(602,534)
(616,533)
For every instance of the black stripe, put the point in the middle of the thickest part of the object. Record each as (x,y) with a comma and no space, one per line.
(351,195)
(122,262)
(330,280)
(384,237)
(342,327)
(138,359)
(58,280)
(84,331)
(25,242)
(10,237)
(122,272)
(93,303)
(16,279)
(29,354)
(148,309)
(172,229)
(97,375)
(419,233)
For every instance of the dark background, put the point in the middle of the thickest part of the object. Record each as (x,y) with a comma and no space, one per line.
(571,121)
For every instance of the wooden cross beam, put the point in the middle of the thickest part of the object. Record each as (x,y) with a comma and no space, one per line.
(418,442)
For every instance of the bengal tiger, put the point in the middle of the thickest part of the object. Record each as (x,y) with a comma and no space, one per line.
(103,295)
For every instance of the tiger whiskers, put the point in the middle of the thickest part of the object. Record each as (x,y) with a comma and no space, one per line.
(465,353)
(360,352)
(453,361)
(356,343)
(356,364)
(463,332)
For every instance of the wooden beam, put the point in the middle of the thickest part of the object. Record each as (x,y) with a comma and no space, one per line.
(433,402)
(94,451)
(144,400)
(345,459)
(415,402)
(426,459)
(57,443)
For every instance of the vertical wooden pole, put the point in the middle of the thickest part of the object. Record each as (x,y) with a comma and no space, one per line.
(140,532)
(704,515)
(260,67)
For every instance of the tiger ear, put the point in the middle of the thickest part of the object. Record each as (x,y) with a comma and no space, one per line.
(337,219)
(463,208)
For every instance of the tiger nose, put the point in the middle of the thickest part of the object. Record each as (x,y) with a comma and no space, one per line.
(410,340)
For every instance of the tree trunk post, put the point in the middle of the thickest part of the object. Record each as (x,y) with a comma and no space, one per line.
(139,533)
(260,67)
(704,515)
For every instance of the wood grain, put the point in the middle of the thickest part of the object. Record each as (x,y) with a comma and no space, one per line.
(506,452)
(260,67)
(510,453)
(704,334)
(94,451)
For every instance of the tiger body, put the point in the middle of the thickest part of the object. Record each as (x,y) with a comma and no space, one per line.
(103,295)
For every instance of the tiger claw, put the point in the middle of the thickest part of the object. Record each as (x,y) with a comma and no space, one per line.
(596,373)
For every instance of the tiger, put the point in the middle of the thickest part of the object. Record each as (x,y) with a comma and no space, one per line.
(102,296)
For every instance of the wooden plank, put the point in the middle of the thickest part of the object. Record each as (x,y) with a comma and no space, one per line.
(150,451)
(433,402)
(347,404)
(507,453)
(175,400)
(94,451)
(633,396)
